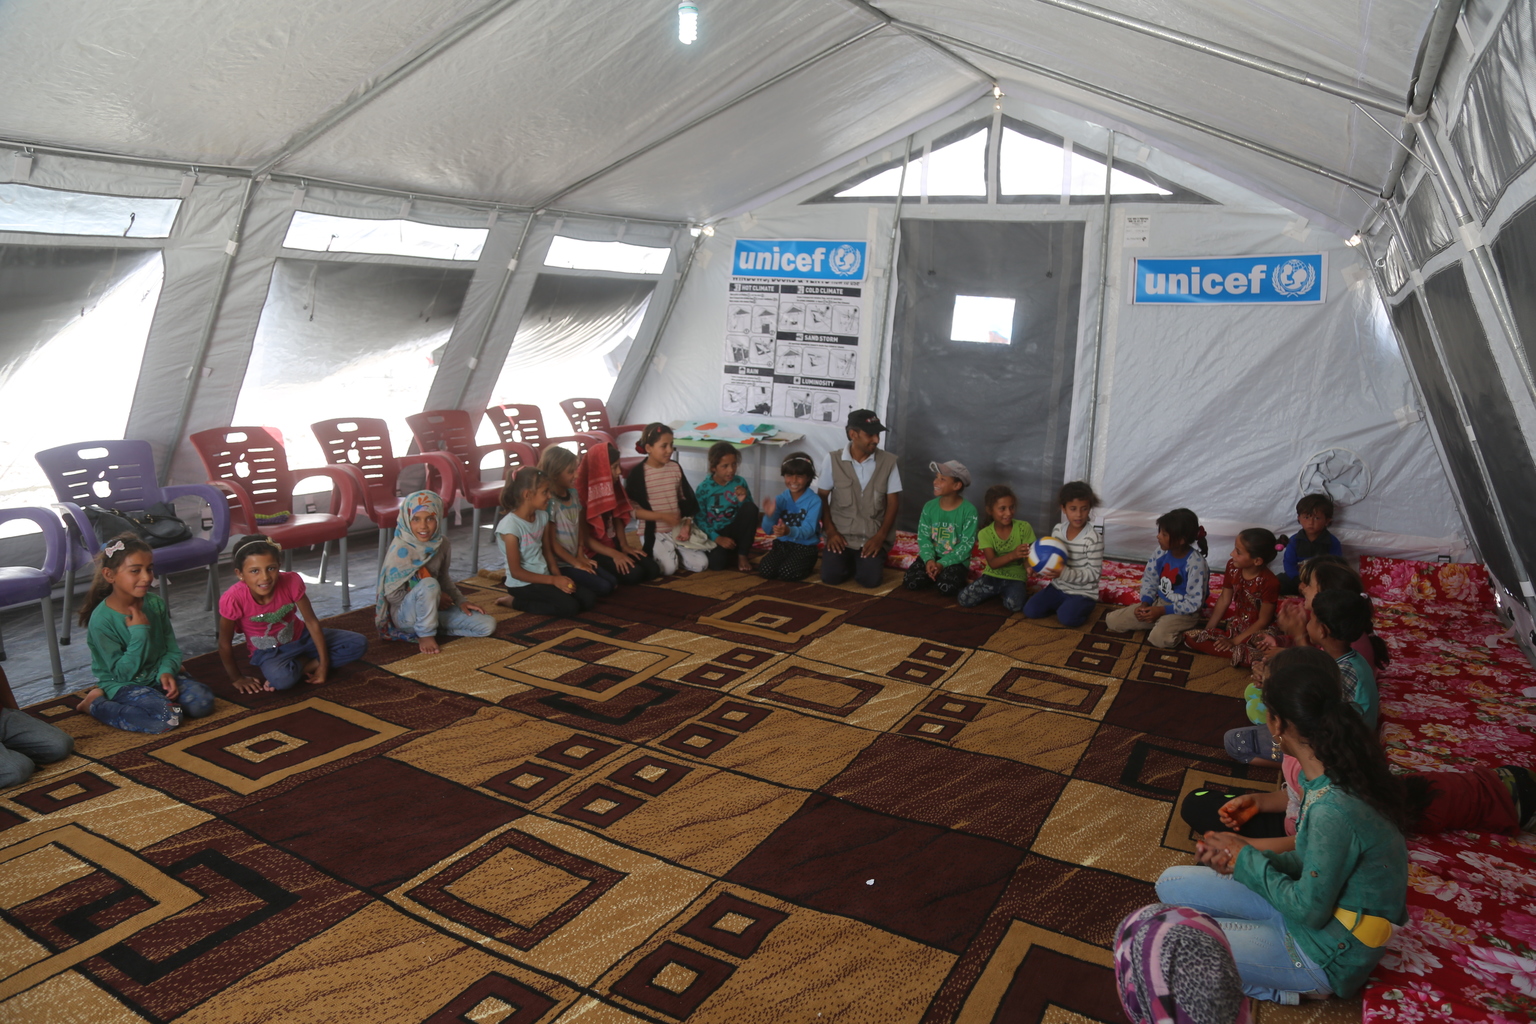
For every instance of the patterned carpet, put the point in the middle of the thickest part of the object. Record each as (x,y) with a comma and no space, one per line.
(716,800)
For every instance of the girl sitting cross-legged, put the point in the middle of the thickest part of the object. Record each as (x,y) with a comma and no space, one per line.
(417,596)
(1314,920)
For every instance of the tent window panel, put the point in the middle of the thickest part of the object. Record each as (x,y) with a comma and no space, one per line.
(982,318)
(1028,166)
(614,257)
(1424,219)
(1495,133)
(884,184)
(320,232)
(960,168)
(50,211)
(1418,347)
(572,342)
(68,315)
(347,339)
(1476,374)
(1515,253)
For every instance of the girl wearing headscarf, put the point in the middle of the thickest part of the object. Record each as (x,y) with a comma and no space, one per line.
(416,595)
(608,514)
(1173,966)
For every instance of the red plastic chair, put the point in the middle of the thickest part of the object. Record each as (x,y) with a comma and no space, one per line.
(524,424)
(453,431)
(589,415)
(362,446)
(251,466)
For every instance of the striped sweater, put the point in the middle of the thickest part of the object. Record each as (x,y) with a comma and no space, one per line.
(1085,561)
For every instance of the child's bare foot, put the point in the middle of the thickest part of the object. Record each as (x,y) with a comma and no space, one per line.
(743,563)
(84,706)
(428,645)
(505,602)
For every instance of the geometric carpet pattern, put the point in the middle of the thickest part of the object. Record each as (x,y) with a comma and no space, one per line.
(716,799)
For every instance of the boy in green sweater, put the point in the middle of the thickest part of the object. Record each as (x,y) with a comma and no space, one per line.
(946,533)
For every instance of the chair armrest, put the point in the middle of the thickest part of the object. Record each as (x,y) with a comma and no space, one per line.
(218,507)
(525,455)
(447,469)
(586,437)
(55,540)
(346,493)
(242,495)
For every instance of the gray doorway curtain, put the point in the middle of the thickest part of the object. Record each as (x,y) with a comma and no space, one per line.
(1001,408)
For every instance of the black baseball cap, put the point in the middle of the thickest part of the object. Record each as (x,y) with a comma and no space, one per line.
(865,420)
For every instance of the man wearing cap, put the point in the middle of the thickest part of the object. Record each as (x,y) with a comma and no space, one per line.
(859,507)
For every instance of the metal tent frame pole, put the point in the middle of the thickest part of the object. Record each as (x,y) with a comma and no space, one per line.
(890,287)
(1239,57)
(1426,76)
(1098,331)
(661,327)
(1153,109)
(496,304)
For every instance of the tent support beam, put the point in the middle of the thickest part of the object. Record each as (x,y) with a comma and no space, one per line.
(205,339)
(1239,57)
(1471,230)
(1098,328)
(1426,75)
(629,158)
(661,328)
(490,321)
(1156,111)
(906,30)
(890,287)
(361,98)
(1475,442)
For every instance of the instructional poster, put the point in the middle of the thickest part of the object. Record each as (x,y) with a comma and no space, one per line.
(794,318)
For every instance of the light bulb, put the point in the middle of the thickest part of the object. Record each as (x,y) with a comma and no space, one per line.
(1352,240)
(709,231)
(687,21)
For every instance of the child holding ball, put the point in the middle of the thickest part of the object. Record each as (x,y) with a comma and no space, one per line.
(1072,590)
(1004,543)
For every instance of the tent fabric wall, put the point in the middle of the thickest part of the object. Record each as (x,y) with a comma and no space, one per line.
(1229,367)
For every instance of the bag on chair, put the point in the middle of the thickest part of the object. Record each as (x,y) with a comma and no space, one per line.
(158,525)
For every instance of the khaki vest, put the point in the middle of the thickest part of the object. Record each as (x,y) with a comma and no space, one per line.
(858,512)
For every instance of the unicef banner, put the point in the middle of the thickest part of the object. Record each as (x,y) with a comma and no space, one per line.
(794,325)
(1232,280)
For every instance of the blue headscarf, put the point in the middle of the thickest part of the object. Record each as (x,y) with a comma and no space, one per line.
(406,554)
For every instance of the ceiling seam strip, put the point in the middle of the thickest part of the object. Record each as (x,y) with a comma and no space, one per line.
(1239,57)
(381,190)
(891,20)
(443,41)
(1150,108)
(709,115)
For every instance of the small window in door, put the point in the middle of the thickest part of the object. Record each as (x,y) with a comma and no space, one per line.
(982,318)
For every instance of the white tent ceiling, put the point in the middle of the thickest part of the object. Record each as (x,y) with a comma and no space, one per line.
(517,101)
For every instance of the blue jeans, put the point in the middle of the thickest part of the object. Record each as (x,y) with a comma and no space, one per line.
(283,666)
(1269,962)
(148,709)
(25,743)
(988,587)
(602,582)
(1070,609)
(422,614)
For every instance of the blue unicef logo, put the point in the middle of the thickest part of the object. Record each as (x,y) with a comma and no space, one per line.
(1294,277)
(844,261)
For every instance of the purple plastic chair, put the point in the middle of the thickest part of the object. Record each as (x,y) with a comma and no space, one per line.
(121,475)
(23,584)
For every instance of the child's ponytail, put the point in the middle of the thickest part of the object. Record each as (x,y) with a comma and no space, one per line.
(518,485)
(652,433)
(112,555)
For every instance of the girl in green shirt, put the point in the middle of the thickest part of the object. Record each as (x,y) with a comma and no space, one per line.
(140,685)
(1314,920)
